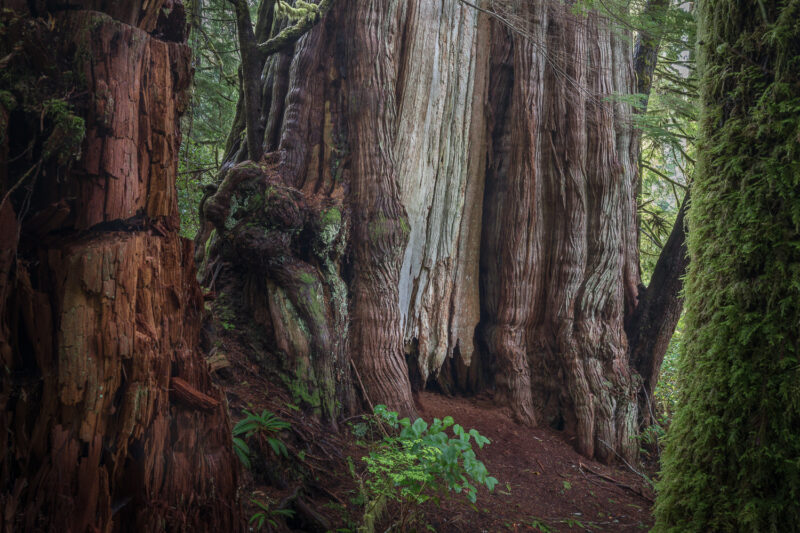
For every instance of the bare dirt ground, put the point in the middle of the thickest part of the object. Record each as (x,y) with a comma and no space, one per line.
(544,483)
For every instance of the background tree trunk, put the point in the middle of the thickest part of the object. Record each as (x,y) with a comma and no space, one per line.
(110,418)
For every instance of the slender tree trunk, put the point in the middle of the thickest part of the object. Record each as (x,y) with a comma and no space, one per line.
(651,325)
(110,417)
(252,62)
(648,42)
(657,314)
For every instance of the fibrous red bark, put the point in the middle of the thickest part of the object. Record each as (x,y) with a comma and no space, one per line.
(380,226)
(99,308)
(557,286)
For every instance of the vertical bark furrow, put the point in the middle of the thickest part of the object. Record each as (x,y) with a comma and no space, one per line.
(512,237)
(380,227)
(602,302)
(565,152)
(557,178)
(275,88)
(301,137)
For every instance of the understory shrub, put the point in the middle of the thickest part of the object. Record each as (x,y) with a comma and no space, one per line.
(415,463)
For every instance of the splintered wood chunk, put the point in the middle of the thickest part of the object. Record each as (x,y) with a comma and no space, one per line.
(184,393)
(217,361)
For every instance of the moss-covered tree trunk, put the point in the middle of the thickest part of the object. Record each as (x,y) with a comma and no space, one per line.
(109,418)
(731,462)
(428,169)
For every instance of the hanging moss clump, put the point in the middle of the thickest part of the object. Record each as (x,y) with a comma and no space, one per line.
(732,462)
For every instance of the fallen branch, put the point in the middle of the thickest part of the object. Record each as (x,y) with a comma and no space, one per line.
(610,479)
(632,469)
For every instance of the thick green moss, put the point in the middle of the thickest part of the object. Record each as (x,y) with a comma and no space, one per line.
(732,462)
(68,131)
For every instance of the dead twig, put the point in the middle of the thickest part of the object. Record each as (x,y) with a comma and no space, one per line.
(366,397)
(632,469)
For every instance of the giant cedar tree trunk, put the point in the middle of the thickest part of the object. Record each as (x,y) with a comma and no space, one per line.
(559,267)
(428,170)
(109,418)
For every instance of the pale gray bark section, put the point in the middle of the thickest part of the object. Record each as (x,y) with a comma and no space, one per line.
(439,153)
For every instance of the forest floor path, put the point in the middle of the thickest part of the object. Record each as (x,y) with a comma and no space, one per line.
(544,484)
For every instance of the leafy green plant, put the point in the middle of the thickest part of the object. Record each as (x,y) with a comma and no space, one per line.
(242,451)
(264,426)
(653,435)
(416,463)
(267,515)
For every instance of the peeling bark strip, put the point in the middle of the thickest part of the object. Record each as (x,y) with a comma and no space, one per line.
(94,320)
(440,153)
(183,392)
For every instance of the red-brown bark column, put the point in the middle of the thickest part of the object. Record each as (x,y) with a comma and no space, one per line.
(111,420)
(379,222)
(558,222)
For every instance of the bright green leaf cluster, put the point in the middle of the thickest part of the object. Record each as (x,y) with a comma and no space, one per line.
(418,463)
(431,458)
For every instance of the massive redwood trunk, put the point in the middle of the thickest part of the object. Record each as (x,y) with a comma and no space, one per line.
(559,262)
(109,418)
(461,190)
